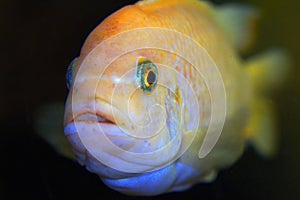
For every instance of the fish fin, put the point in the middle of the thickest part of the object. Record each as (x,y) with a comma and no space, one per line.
(268,70)
(267,73)
(48,123)
(211,176)
(261,130)
(239,24)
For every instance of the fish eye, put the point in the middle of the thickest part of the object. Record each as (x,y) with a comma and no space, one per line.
(147,75)
(69,74)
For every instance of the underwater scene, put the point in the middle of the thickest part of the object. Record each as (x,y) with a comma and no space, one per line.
(162,99)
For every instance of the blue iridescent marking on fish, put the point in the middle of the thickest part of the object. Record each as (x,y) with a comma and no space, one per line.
(70,129)
(69,74)
(148,183)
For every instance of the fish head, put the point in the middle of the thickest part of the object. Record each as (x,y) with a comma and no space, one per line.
(130,104)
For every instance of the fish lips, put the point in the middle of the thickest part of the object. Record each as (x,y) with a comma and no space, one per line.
(88,118)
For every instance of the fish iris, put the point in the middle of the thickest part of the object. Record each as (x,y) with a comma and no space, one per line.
(147,75)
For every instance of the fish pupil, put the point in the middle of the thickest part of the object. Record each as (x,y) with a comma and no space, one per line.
(151,78)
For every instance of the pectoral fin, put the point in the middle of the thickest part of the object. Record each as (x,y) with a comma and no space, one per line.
(267,73)
(268,70)
(211,176)
(49,125)
(262,128)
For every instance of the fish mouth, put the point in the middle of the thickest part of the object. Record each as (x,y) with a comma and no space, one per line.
(100,134)
(103,114)
(91,117)
(88,118)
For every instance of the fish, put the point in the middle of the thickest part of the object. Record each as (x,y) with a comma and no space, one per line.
(160,98)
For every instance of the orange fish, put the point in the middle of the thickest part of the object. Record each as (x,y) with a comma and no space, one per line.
(160,99)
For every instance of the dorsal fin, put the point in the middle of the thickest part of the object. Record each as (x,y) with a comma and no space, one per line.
(239,24)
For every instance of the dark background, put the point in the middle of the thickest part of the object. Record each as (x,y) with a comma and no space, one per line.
(39,38)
